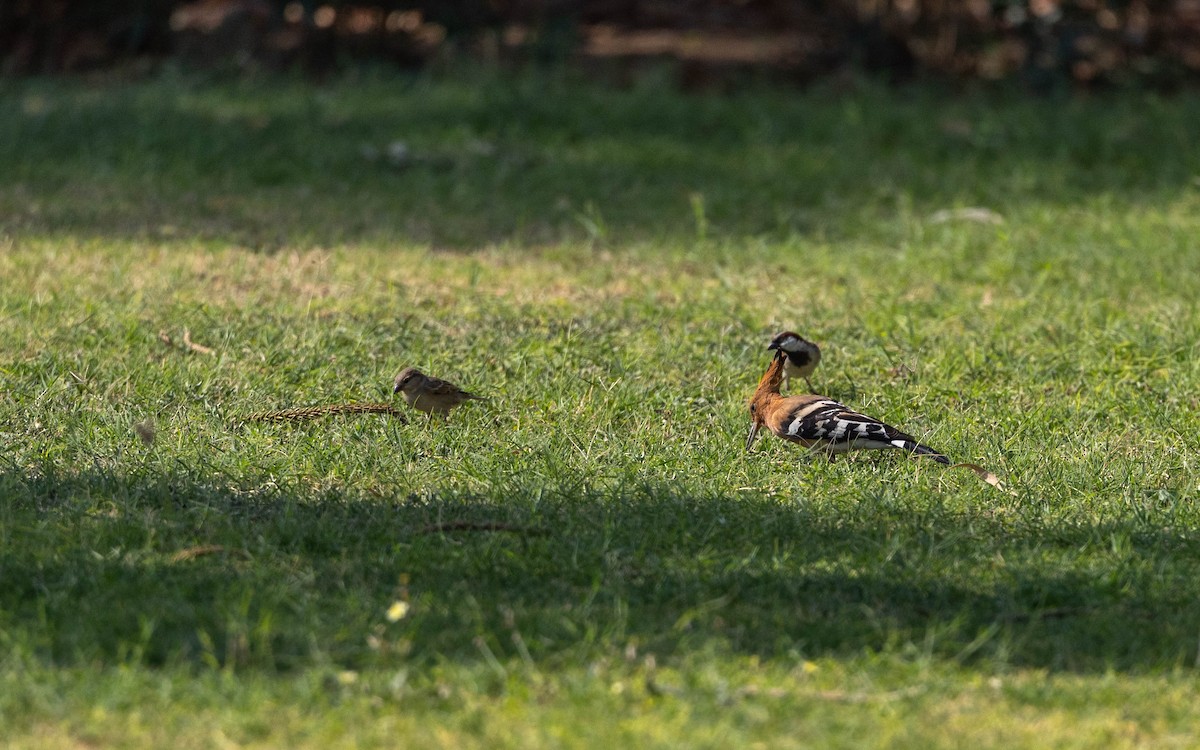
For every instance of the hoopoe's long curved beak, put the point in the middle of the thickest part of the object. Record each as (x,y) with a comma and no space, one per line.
(753,433)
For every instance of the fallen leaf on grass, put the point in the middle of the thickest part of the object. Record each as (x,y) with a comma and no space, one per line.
(985,475)
(199,349)
(974,213)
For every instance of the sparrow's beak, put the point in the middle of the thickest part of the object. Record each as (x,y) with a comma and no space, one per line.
(397,388)
(772,345)
(753,433)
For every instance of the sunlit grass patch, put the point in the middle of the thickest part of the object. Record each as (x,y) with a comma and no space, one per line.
(590,556)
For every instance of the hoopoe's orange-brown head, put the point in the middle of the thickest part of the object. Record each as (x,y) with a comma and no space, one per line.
(765,395)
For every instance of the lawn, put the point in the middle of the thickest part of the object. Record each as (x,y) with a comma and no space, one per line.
(590,557)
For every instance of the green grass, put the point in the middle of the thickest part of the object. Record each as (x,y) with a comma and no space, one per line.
(607,266)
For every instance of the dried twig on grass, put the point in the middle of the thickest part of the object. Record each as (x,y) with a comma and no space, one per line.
(188,344)
(312,412)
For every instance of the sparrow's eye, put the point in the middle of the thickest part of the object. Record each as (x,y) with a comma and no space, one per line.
(405,381)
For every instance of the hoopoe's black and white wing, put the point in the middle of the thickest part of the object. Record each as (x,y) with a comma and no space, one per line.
(826,424)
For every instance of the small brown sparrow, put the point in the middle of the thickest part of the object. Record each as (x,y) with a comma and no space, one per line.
(429,394)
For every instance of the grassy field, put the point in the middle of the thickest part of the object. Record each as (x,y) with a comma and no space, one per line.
(591,557)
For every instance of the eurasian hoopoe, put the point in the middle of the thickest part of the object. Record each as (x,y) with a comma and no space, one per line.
(430,394)
(803,356)
(820,423)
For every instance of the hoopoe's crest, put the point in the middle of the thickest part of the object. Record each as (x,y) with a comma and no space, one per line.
(802,356)
(820,423)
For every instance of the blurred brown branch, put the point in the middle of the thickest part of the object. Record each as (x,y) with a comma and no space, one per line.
(1045,42)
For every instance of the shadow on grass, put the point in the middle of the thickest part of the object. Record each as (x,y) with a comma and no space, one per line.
(177,570)
(461,165)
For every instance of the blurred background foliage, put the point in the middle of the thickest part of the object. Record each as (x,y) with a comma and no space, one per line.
(1042,44)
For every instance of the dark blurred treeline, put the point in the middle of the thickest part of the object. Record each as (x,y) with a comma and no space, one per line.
(1044,43)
